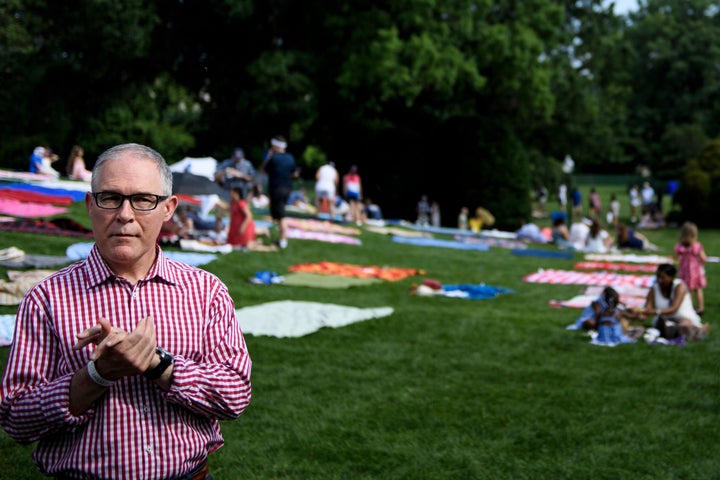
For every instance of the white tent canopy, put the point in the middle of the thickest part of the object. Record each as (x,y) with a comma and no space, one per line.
(203,166)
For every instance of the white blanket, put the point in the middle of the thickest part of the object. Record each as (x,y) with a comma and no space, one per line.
(295,319)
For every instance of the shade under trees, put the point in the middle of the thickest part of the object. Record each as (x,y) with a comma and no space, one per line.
(468,102)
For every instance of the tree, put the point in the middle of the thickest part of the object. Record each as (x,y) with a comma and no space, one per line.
(674,78)
(699,192)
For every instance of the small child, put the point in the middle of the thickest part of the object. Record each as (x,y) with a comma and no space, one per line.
(691,258)
(241,233)
(610,328)
(588,319)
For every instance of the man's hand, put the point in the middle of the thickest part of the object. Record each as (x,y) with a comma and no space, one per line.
(120,353)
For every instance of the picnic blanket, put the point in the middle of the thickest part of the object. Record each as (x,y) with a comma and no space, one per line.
(627,257)
(536,252)
(303,279)
(493,242)
(398,231)
(56,226)
(23,195)
(23,176)
(470,291)
(584,300)
(312,225)
(570,277)
(295,319)
(17,208)
(322,237)
(625,267)
(65,188)
(32,260)
(7,329)
(626,290)
(391,274)
(433,242)
(13,291)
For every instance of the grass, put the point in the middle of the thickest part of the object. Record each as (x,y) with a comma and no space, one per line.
(449,388)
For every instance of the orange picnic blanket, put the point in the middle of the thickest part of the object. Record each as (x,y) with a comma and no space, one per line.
(391,274)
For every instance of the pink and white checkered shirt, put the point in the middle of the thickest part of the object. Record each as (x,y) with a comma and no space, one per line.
(135,430)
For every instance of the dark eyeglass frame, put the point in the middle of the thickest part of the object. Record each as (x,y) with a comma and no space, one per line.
(130,198)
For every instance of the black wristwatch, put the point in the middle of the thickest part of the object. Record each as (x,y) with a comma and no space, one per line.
(165,360)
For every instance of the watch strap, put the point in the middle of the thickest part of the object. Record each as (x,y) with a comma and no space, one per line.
(166,359)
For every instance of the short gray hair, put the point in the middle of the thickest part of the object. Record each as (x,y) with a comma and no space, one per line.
(166,178)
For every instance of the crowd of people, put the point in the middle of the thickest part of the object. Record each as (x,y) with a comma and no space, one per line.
(153,345)
(336,197)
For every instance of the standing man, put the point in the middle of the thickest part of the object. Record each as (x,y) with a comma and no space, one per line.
(235,172)
(280,168)
(124,363)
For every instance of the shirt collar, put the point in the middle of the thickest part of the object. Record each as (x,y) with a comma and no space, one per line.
(98,270)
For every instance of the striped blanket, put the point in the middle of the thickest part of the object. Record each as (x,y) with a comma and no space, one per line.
(570,277)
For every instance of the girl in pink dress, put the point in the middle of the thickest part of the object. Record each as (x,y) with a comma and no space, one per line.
(691,258)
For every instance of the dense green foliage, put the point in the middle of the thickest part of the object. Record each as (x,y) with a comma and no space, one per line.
(453,389)
(699,193)
(415,92)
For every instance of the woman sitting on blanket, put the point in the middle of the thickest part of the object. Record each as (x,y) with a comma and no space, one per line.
(670,303)
(628,238)
(598,240)
(561,234)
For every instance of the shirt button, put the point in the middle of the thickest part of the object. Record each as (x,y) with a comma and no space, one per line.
(134,295)
(149,449)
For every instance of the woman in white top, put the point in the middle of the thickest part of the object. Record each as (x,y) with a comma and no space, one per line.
(598,240)
(669,300)
(327,179)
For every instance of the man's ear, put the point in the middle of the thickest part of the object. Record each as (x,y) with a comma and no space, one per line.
(170,205)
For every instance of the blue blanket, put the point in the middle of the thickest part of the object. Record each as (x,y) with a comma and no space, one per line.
(76,195)
(530,252)
(474,292)
(432,242)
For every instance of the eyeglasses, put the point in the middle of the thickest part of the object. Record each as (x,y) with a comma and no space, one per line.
(143,202)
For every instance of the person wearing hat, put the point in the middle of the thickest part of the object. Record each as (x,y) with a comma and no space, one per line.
(235,172)
(281,169)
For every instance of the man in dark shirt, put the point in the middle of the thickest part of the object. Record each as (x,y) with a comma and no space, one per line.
(280,168)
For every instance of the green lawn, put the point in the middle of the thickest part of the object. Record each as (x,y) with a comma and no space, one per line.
(455,389)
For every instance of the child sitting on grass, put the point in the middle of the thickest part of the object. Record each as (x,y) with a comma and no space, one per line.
(588,319)
(241,233)
(610,322)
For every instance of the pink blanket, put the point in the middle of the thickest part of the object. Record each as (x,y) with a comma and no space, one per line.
(28,209)
(626,267)
(569,277)
(322,237)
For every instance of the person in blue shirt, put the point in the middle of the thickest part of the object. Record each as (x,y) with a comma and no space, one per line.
(41,162)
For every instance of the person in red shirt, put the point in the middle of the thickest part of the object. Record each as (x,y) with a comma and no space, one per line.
(242,232)
(124,363)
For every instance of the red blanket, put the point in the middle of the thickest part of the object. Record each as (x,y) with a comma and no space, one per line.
(36,197)
(625,267)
